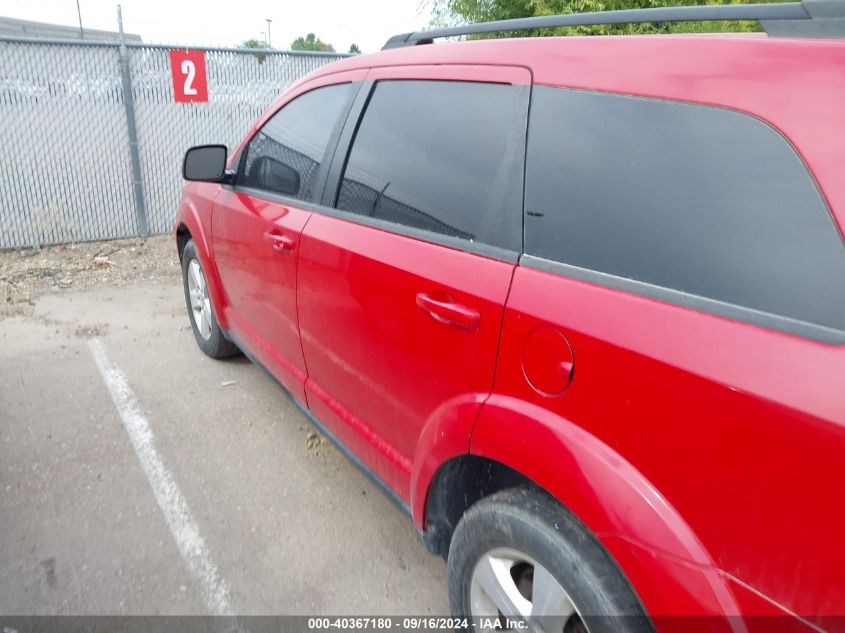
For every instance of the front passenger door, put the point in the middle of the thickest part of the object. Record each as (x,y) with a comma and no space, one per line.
(257,223)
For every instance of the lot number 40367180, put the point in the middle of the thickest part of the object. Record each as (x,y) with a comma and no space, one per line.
(188,71)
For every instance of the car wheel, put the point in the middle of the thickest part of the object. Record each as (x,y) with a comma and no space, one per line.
(207,332)
(519,554)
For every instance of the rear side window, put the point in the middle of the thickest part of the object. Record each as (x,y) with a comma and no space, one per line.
(284,157)
(702,200)
(442,156)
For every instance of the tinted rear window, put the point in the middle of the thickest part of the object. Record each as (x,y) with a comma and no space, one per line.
(699,199)
(442,156)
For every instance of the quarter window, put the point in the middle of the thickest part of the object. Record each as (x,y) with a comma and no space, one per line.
(703,200)
(441,156)
(284,157)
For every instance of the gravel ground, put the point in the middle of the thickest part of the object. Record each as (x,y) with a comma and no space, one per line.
(28,274)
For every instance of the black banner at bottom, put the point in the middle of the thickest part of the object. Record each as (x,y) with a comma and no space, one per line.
(403,624)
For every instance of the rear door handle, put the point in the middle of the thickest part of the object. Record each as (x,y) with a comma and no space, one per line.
(280,242)
(449,312)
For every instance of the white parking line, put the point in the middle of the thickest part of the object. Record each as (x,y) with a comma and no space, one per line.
(185,532)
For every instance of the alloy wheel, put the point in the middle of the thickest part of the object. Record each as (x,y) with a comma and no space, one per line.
(200,303)
(509,586)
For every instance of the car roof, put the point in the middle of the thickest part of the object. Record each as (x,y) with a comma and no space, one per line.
(795,85)
(530,51)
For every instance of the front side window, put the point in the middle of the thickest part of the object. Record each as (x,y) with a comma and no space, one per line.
(441,156)
(703,200)
(284,157)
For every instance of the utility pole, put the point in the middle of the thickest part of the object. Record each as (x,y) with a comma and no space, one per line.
(79,13)
(268,20)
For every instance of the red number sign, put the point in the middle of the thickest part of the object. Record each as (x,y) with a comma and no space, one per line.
(188,71)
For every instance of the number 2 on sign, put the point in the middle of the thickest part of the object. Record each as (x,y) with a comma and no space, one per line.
(190,84)
(190,71)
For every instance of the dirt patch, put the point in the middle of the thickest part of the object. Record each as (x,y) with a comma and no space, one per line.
(317,444)
(29,273)
(91,330)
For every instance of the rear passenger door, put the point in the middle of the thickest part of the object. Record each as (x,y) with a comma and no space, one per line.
(402,284)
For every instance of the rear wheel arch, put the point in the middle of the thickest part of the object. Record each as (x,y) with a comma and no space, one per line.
(457,485)
(610,497)
(507,442)
(525,531)
(608,493)
(664,584)
(467,482)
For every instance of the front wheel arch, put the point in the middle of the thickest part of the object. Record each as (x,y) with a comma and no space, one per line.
(183,236)
(189,227)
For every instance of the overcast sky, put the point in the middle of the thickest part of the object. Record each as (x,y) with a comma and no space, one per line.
(368,23)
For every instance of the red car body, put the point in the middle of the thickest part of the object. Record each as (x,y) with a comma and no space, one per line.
(706,454)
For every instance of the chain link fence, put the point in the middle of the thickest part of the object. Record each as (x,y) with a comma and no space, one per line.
(70,111)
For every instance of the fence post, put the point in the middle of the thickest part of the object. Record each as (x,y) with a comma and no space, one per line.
(132,131)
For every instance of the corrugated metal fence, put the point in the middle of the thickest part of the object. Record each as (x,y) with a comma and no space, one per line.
(68,110)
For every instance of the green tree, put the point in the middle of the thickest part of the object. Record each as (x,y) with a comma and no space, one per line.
(311,43)
(256,43)
(354,50)
(451,12)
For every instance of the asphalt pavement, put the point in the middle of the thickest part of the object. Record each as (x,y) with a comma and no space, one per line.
(139,477)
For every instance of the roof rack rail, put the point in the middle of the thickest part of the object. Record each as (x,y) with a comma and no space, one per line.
(807,18)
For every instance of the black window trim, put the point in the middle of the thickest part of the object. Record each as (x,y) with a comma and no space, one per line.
(787,325)
(338,167)
(344,143)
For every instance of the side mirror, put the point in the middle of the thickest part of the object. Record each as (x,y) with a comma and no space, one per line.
(206,163)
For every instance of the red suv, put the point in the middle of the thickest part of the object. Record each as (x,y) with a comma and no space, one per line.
(576,304)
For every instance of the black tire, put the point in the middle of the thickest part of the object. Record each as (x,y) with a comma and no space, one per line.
(216,345)
(534,523)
